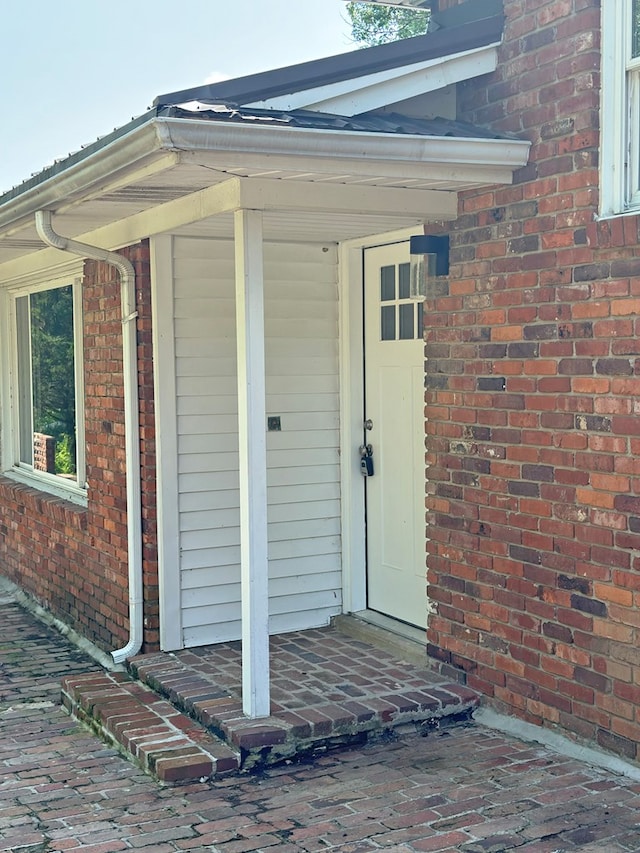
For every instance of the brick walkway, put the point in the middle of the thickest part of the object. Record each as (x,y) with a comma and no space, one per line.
(467,789)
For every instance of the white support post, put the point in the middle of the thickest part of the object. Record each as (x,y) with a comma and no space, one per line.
(253,462)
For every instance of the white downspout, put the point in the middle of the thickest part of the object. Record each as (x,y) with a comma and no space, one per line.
(131,415)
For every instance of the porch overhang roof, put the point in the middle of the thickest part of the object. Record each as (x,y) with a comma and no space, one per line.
(350,183)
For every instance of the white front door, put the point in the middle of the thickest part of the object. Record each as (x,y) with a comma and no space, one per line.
(394,410)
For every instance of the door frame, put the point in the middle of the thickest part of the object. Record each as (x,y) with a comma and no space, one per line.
(351,338)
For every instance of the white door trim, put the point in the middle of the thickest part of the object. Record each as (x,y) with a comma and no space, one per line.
(166,424)
(351,273)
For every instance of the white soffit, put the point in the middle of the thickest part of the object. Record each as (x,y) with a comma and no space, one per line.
(374,91)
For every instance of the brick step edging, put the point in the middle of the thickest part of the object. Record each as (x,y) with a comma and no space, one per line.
(288,733)
(160,739)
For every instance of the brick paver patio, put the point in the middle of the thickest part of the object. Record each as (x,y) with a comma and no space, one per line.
(466,789)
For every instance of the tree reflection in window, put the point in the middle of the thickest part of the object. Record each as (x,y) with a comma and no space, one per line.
(48,412)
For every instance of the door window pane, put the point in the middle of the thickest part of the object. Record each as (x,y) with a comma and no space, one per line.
(388,323)
(407,322)
(387,283)
(403,281)
(635,41)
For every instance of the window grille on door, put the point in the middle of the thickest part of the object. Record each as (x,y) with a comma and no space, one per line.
(400,317)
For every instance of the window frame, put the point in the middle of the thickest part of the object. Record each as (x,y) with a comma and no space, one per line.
(619,112)
(74,490)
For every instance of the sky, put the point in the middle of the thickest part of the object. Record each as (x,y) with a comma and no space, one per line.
(73,70)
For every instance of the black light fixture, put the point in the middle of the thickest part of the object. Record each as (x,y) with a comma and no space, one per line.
(429,256)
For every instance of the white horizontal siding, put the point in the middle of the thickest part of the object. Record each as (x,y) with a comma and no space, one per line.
(209,596)
(213,624)
(205,519)
(228,533)
(198,326)
(301,326)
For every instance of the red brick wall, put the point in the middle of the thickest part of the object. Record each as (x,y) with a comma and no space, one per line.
(74,559)
(533,381)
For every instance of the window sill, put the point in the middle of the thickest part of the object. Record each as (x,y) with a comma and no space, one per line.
(629,211)
(45,489)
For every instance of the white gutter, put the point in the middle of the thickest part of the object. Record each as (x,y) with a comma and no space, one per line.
(131,414)
(179,134)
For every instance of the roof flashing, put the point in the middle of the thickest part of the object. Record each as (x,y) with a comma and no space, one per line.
(370,122)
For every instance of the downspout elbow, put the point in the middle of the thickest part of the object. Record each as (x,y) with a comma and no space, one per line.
(131,413)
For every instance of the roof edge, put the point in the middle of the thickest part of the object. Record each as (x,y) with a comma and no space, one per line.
(343,66)
(75,175)
(65,163)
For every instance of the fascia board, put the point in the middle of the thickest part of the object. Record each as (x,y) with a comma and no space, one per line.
(373,91)
(411,85)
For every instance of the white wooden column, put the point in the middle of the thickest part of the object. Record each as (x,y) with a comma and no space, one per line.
(253,462)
